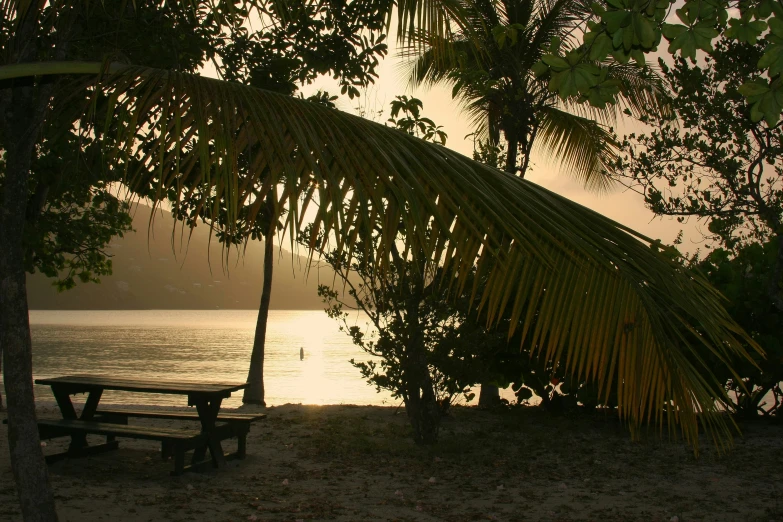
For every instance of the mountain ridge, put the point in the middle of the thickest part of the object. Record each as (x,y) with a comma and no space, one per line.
(150,272)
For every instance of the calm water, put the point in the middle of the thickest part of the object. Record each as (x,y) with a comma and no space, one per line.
(203,345)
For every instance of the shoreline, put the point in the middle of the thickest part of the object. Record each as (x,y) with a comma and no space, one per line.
(354,463)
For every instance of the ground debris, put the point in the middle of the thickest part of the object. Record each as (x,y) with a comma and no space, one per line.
(360,463)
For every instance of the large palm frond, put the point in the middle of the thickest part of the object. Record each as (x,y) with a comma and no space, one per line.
(433,17)
(587,292)
(642,90)
(429,68)
(554,19)
(579,144)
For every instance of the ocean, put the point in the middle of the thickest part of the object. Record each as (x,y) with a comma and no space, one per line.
(203,346)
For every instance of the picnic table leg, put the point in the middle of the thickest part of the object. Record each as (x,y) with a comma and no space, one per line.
(242,446)
(63,398)
(88,412)
(78,445)
(207,414)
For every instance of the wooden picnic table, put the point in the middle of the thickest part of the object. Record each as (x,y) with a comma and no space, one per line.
(206,397)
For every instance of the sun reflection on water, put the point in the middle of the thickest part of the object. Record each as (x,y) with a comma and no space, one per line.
(204,346)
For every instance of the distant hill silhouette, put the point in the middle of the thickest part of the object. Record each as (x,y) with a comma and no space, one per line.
(151,274)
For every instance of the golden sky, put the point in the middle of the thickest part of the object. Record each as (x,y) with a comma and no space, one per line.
(619,204)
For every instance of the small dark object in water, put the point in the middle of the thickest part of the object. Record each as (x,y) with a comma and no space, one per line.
(301,353)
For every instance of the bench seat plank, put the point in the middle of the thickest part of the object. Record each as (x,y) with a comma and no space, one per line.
(118,430)
(178,441)
(182,415)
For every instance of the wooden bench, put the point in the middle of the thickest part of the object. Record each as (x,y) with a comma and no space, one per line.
(179,441)
(238,423)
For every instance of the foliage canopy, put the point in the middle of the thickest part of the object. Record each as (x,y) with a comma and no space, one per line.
(628,29)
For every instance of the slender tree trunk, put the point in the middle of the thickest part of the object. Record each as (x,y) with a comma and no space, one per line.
(776,282)
(527,148)
(511,155)
(422,408)
(254,394)
(421,405)
(2,407)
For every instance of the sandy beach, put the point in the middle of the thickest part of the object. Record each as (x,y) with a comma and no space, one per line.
(355,463)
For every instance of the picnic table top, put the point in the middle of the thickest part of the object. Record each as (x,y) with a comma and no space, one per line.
(107,382)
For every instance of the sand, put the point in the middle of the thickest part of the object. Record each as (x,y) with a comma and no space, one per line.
(356,463)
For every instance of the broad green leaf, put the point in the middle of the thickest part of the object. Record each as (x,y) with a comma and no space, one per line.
(756,114)
(615,20)
(600,45)
(705,33)
(604,92)
(512,34)
(539,69)
(643,30)
(764,8)
(691,39)
(575,80)
(499,33)
(621,56)
(753,88)
(685,42)
(688,13)
(772,59)
(672,31)
(766,100)
(771,107)
(629,38)
(776,26)
(744,30)
(555,62)
(639,57)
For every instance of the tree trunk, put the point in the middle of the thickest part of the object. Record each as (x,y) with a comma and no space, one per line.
(2,407)
(22,110)
(421,405)
(424,412)
(511,155)
(27,462)
(254,394)
(489,396)
(776,282)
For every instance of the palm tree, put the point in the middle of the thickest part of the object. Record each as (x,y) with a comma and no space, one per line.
(491,64)
(610,307)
